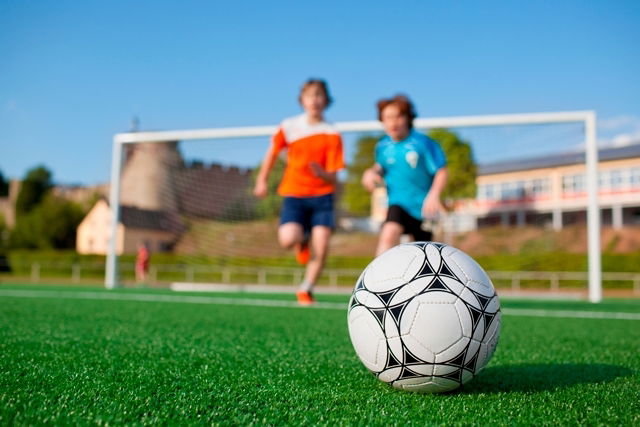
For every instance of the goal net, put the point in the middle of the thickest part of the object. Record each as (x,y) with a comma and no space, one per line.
(521,198)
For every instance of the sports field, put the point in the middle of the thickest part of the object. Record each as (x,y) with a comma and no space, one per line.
(90,356)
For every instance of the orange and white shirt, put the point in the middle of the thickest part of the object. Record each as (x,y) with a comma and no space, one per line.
(306,143)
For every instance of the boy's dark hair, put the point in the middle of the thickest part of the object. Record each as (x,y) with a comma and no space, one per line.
(404,105)
(319,83)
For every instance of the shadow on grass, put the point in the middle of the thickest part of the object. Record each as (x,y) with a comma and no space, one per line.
(541,377)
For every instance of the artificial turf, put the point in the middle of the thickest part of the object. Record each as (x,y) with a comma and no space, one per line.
(103,361)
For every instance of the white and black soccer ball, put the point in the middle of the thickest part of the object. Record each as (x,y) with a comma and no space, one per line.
(424,317)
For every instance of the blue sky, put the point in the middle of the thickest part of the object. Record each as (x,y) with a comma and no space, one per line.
(73,73)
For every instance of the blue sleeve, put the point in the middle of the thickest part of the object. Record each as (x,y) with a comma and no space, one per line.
(435,157)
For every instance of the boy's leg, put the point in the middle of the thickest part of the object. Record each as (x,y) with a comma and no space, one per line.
(293,235)
(320,235)
(389,236)
(290,234)
(322,222)
(294,223)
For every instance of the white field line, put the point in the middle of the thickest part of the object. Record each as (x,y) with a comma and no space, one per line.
(571,314)
(187,299)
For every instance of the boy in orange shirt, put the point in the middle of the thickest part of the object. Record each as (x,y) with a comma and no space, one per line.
(314,156)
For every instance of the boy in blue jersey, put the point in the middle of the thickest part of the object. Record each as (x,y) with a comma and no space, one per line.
(413,167)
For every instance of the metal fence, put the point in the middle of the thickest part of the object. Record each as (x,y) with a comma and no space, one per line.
(517,279)
(165,273)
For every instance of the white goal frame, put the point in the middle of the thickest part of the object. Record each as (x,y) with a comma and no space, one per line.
(588,118)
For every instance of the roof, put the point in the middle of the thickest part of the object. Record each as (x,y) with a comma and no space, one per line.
(604,154)
(133,217)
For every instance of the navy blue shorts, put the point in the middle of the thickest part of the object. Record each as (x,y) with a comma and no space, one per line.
(308,211)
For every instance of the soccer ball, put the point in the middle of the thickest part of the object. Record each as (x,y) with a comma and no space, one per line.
(424,317)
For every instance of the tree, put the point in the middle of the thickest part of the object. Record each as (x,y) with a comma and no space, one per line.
(4,243)
(4,186)
(34,187)
(357,200)
(460,164)
(4,234)
(50,225)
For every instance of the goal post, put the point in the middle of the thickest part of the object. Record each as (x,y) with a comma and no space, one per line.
(587,119)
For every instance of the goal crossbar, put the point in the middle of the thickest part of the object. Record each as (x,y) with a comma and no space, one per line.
(588,118)
(357,126)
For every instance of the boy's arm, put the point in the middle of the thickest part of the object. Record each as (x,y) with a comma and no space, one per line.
(260,188)
(432,205)
(372,177)
(320,172)
(334,161)
(278,142)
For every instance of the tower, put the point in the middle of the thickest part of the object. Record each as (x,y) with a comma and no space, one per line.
(148,178)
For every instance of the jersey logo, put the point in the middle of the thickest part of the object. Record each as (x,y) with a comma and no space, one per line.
(412,158)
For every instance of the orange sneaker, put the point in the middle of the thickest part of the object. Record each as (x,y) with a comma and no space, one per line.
(303,253)
(305,298)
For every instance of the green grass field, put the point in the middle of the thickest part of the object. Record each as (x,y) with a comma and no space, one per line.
(89,356)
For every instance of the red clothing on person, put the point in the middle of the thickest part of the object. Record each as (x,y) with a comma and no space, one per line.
(142,259)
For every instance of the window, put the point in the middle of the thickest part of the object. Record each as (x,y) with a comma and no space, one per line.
(486,192)
(573,183)
(482,192)
(512,190)
(506,191)
(634,177)
(616,180)
(540,186)
(604,180)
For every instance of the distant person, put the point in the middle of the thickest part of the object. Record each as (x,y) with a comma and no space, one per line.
(314,156)
(142,264)
(413,168)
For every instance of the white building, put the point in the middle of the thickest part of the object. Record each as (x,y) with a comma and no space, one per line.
(552,190)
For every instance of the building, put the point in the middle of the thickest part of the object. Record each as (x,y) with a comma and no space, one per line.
(159,230)
(83,195)
(156,177)
(8,203)
(75,193)
(158,188)
(552,190)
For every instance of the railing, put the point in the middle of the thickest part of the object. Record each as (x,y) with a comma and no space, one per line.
(162,273)
(77,272)
(553,278)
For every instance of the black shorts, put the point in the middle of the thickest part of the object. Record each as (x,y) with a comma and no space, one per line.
(409,224)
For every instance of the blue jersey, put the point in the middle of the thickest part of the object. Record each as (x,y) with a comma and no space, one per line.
(409,167)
